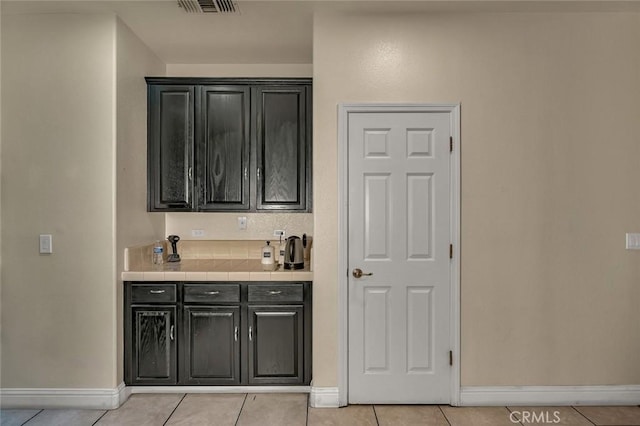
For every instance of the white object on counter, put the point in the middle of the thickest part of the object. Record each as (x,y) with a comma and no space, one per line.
(268,254)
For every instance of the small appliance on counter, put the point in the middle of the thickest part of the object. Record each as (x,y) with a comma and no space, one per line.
(173,257)
(294,252)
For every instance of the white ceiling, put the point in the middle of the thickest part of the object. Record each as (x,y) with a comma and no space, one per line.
(265,31)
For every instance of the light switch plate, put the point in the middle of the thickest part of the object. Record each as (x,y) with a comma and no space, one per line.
(242,223)
(46,244)
(633,241)
(197,232)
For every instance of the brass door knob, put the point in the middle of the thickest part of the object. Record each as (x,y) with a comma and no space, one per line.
(357,273)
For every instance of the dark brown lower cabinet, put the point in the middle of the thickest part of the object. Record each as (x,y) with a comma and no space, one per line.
(154,346)
(211,349)
(222,333)
(276,345)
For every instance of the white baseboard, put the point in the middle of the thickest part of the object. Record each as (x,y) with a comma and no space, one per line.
(104,399)
(324,397)
(550,395)
(124,392)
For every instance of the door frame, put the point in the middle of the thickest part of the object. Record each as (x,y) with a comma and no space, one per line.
(344,109)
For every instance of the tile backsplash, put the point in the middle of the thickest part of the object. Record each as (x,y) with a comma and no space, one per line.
(224,226)
(140,256)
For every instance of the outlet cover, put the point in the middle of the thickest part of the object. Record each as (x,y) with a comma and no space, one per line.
(242,223)
(46,244)
(197,232)
(633,241)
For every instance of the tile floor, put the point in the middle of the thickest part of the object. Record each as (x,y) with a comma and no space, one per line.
(292,410)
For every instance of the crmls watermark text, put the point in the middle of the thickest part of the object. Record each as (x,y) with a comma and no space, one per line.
(544,417)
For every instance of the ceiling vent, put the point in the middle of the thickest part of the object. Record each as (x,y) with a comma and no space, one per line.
(209,6)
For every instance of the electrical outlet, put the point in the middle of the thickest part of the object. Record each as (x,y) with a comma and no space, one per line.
(197,232)
(242,223)
(46,244)
(278,233)
(633,241)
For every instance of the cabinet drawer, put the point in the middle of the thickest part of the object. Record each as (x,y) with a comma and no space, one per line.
(275,293)
(211,293)
(153,293)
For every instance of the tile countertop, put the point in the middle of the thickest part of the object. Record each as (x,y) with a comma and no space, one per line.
(216,270)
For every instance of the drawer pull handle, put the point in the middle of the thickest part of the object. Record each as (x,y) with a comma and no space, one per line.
(156,291)
(171,333)
(235,334)
(211,292)
(250,333)
(274,292)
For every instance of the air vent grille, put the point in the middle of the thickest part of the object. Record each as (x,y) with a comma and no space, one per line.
(209,6)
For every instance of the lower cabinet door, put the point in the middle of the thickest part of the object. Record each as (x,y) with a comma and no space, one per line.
(154,358)
(276,344)
(211,346)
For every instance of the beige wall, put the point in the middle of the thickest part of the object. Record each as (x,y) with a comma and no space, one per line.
(58,315)
(240,70)
(550,148)
(134,225)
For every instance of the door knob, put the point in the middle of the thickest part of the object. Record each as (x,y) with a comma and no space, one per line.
(357,273)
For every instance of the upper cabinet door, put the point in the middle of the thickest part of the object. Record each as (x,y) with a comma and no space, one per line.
(223,148)
(283,148)
(170,148)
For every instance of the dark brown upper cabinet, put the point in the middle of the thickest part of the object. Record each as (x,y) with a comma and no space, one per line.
(223,148)
(170,148)
(282,148)
(218,144)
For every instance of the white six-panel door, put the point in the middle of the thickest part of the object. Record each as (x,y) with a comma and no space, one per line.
(399,233)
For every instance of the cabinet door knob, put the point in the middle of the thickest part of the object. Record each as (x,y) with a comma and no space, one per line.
(250,333)
(171,333)
(211,292)
(274,292)
(190,173)
(156,291)
(235,334)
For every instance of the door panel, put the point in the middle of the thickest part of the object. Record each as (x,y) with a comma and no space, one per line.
(154,349)
(281,148)
(224,148)
(376,330)
(399,232)
(276,346)
(171,148)
(211,349)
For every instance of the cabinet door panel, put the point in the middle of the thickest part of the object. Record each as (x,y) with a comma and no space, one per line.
(276,352)
(224,148)
(281,148)
(211,349)
(171,147)
(154,349)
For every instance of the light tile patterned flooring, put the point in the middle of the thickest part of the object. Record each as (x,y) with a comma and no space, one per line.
(293,410)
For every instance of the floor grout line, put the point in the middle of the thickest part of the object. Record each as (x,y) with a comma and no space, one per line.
(579,412)
(31,418)
(307,420)
(444,415)
(510,411)
(100,418)
(175,408)
(241,408)
(375,414)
